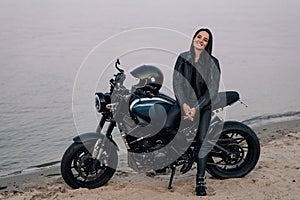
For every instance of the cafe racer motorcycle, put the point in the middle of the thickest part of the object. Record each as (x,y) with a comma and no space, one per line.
(91,160)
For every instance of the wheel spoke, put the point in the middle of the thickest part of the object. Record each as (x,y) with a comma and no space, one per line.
(219,163)
(239,140)
(244,147)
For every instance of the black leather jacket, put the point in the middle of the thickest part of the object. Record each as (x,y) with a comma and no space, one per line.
(207,79)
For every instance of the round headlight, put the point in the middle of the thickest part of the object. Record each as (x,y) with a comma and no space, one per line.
(100,102)
(97,103)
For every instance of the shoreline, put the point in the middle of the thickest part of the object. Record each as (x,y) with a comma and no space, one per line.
(254,122)
(258,126)
(47,182)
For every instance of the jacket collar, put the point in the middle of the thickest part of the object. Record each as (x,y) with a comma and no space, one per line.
(189,58)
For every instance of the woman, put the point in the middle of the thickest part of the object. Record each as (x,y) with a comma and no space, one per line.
(196,83)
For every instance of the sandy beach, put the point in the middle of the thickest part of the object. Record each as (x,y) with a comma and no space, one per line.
(276,176)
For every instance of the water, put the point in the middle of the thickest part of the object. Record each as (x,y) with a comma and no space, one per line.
(43,43)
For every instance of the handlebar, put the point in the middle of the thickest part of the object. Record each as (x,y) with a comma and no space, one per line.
(119,77)
(116,65)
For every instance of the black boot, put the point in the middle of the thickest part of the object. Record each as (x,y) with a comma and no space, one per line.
(188,165)
(200,186)
(200,177)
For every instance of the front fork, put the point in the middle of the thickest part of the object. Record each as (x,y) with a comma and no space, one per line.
(101,124)
(99,145)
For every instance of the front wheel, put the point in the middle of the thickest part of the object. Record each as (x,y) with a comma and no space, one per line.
(243,151)
(79,169)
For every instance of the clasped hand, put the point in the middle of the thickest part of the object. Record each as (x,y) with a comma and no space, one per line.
(189,113)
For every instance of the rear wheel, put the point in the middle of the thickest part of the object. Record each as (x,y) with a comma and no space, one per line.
(79,169)
(243,149)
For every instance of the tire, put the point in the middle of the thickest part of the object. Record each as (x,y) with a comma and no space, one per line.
(80,170)
(247,152)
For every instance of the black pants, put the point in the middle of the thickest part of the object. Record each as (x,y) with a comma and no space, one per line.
(202,148)
(202,143)
(203,116)
(173,119)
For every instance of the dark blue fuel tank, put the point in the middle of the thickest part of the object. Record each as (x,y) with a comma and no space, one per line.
(154,108)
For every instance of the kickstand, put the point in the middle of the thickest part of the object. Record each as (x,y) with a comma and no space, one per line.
(172,177)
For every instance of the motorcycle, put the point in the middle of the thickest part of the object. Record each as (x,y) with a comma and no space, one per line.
(92,159)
